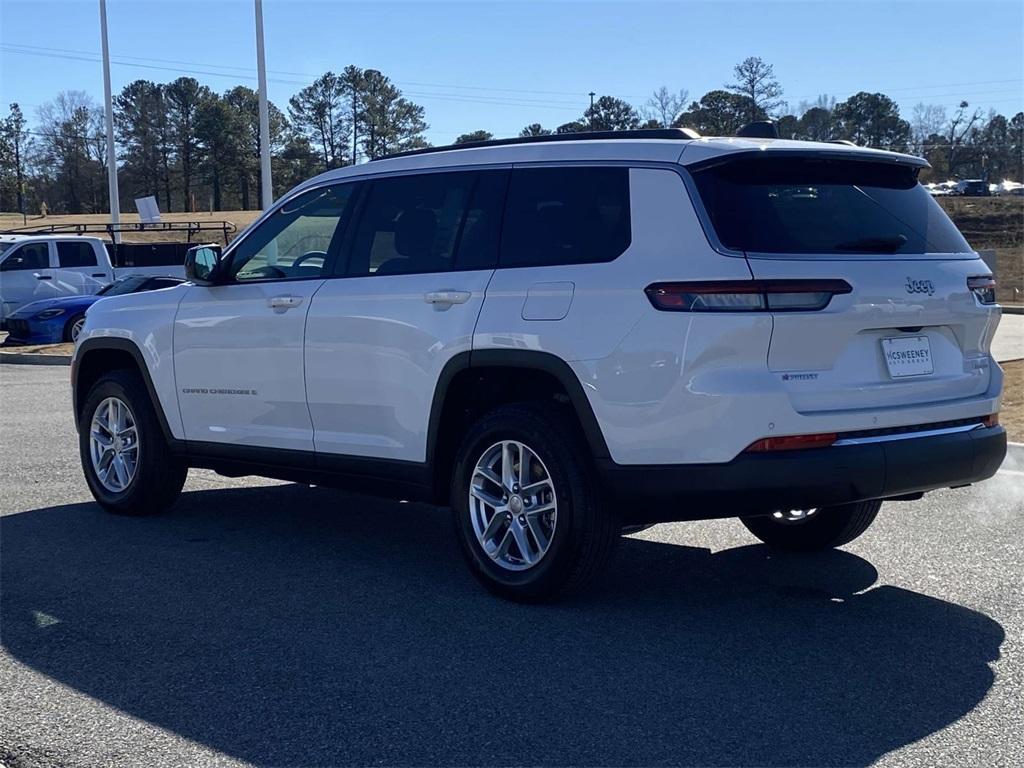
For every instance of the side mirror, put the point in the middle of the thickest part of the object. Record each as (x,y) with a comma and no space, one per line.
(201,264)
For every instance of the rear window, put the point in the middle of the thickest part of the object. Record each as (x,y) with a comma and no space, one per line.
(71,254)
(816,206)
(123,286)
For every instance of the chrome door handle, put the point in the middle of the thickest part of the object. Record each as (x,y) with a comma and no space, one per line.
(447,297)
(284,302)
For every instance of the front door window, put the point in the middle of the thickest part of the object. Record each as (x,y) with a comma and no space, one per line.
(294,242)
(30,256)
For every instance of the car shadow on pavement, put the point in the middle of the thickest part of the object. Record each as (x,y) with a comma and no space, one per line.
(295,626)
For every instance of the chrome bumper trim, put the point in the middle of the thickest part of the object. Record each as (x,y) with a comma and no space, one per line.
(907,435)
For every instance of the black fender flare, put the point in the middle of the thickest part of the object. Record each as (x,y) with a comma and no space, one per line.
(109,343)
(525,359)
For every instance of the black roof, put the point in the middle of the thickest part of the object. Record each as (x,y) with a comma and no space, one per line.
(678,134)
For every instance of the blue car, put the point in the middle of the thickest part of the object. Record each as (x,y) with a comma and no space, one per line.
(55,320)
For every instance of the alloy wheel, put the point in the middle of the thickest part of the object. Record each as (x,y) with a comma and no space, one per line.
(114,444)
(513,505)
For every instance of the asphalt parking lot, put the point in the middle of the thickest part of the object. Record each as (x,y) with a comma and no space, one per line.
(282,625)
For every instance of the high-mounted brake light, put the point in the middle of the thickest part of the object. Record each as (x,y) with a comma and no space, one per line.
(984,287)
(745,295)
(792,443)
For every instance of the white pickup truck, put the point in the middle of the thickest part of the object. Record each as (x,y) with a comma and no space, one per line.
(36,267)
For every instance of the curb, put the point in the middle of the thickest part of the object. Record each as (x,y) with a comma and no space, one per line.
(1013,310)
(22,358)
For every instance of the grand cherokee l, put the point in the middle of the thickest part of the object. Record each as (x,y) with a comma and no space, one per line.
(564,338)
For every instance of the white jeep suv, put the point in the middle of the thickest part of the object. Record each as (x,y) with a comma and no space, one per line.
(567,337)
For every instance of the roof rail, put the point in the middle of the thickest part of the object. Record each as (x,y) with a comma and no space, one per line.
(679,134)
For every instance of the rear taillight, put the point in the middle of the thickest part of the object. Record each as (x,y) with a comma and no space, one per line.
(992,420)
(984,287)
(792,443)
(745,295)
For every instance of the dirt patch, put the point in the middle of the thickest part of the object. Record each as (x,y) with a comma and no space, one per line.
(1012,414)
(39,349)
(994,223)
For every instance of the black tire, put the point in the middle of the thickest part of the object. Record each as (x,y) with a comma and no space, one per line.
(71,324)
(829,527)
(159,475)
(585,531)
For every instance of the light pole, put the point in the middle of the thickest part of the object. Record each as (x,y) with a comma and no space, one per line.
(592,110)
(266,185)
(115,200)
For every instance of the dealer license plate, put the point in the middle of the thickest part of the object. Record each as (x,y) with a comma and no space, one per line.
(908,356)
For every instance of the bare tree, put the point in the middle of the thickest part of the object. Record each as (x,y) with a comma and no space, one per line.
(664,106)
(928,120)
(824,101)
(64,157)
(959,128)
(755,79)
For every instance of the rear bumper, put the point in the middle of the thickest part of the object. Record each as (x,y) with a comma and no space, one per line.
(759,483)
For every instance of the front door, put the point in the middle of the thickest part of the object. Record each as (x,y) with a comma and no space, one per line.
(378,337)
(25,276)
(238,354)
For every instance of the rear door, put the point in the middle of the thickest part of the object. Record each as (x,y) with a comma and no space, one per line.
(909,331)
(78,269)
(404,304)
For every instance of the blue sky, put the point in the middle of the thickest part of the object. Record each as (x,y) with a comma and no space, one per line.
(499,65)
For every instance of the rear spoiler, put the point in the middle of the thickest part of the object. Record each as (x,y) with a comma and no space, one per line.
(849,155)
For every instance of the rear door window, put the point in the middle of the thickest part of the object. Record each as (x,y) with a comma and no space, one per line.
(565,215)
(71,254)
(823,206)
(431,222)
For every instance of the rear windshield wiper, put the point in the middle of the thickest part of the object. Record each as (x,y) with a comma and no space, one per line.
(882,244)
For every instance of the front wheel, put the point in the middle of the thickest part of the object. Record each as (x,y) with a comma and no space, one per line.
(529,519)
(125,457)
(73,328)
(814,529)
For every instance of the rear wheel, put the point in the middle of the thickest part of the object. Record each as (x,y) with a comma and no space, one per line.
(127,462)
(814,529)
(528,518)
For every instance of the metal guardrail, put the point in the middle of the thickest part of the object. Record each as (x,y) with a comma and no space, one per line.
(226,228)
